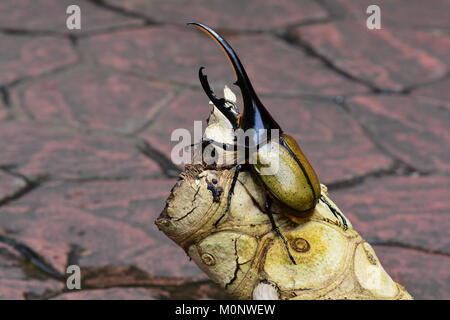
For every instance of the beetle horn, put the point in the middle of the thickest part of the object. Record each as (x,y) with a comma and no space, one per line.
(253,108)
(220,103)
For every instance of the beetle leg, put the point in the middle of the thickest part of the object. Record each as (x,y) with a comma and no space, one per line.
(230,193)
(276,229)
(336,213)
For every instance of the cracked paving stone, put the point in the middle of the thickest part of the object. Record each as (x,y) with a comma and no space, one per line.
(179,114)
(38,150)
(435,42)
(25,56)
(412,211)
(112,276)
(413,130)
(175,54)
(19,280)
(425,276)
(109,223)
(379,57)
(50,15)
(93,97)
(404,13)
(10,185)
(3,109)
(129,276)
(438,92)
(232,14)
(330,138)
(114,294)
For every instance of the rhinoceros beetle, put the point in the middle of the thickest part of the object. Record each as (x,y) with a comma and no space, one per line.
(295,185)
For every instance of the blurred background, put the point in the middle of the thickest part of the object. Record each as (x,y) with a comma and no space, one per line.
(86,117)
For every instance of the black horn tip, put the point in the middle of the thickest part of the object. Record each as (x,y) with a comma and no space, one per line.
(205,28)
(195,24)
(201,74)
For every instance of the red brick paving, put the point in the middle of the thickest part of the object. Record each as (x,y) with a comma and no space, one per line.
(10,185)
(75,104)
(111,224)
(394,65)
(276,67)
(115,294)
(93,97)
(408,210)
(25,56)
(425,276)
(228,15)
(19,281)
(412,129)
(399,13)
(45,150)
(190,106)
(435,42)
(50,15)
(3,110)
(436,92)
